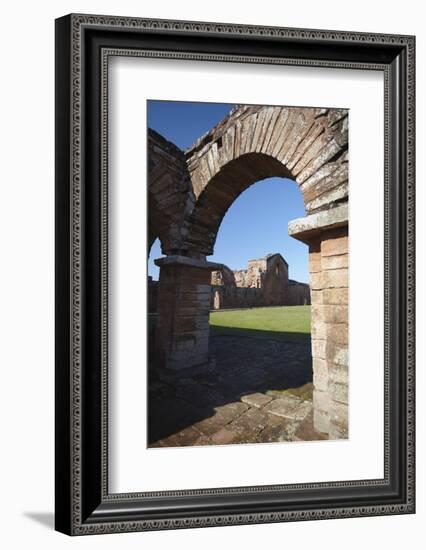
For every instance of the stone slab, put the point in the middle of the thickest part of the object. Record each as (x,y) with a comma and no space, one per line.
(289,407)
(307,432)
(304,229)
(187,261)
(257,400)
(223,415)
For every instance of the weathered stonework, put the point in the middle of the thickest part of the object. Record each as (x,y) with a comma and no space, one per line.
(328,262)
(189,193)
(182,328)
(169,193)
(264,283)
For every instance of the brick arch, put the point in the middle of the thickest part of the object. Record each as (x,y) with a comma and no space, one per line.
(158,225)
(192,191)
(169,191)
(308,145)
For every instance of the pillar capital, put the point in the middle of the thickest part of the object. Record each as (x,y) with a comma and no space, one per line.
(186,261)
(309,227)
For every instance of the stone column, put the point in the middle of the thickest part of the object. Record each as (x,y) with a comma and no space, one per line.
(326,233)
(182,331)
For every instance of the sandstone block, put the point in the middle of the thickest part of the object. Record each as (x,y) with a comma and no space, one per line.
(320,366)
(338,374)
(306,431)
(316,130)
(319,349)
(338,392)
(337,194)
(335,296)
(336,278)
(223,416)
(339,413)
(321,421)
(283,133)
(318,329)
(249,424)
(223,436)
(337,431)
(316,297)
(308,158)
(335,174)
(317,313)
(315,262)
(321,382)
(270,113)
(278,127)
(321,400)
(340,356)
(328,152)
(316,281)
(335,262)
(185,344)
(336,334)
(257,400)
(288,406)
(335,246)
(335,314)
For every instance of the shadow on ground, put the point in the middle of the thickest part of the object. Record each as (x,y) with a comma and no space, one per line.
(47,519)
(281,336)
(245,362)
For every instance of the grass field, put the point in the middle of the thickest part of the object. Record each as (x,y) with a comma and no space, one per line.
(283,323)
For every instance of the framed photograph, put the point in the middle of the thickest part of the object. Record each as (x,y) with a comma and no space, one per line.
(228,351)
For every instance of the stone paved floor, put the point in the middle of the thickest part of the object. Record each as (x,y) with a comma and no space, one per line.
(256,390)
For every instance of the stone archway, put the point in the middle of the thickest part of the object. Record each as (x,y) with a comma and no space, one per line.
(307,145)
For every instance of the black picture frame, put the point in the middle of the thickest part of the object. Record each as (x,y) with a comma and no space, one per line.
(83,504)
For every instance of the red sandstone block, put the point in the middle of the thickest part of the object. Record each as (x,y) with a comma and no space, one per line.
(315,262)
(335,296)
(335,246)
(335,314)
(337,278)
(336,334)
(316,281)
(335,262)
(316,297)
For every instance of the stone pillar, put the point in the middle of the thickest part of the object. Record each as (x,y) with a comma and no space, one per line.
(326,234)
(184,294)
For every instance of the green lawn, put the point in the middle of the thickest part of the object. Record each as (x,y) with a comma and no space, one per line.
(283,323)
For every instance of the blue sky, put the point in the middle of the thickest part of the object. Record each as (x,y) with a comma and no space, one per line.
(256,223)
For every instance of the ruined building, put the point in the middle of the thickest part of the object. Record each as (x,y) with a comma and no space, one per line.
(189,193)
(264,283)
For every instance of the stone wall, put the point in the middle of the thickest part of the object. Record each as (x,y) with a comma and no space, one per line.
(183,308)
(329,280)
(152,295)
(229,297)
(190,192)
(299,294)
(327,235)
(264,283)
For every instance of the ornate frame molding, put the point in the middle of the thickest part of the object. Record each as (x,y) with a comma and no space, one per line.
(83,503)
